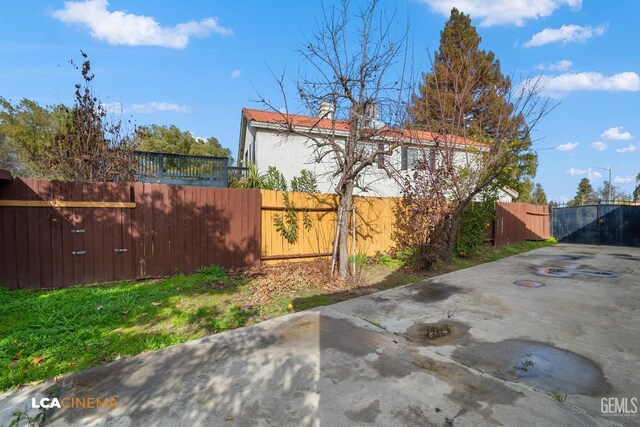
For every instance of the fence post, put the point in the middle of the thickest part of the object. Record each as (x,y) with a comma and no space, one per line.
(225,174)
(161,167)
(550,220)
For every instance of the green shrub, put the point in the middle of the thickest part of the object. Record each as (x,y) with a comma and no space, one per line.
(474,224)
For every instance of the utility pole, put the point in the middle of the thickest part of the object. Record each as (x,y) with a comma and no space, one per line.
(610,185)
(608,169)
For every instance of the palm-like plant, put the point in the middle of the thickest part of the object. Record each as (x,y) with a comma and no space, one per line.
(254,179)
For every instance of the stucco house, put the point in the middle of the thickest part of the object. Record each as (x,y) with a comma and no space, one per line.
(263,143)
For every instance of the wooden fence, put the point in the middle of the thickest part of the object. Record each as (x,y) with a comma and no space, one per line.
(517,222)
(374,225)
(57,234)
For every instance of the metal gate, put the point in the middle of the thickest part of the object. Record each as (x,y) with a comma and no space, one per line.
(601,224)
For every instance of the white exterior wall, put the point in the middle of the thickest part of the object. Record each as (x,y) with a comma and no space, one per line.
(293,153)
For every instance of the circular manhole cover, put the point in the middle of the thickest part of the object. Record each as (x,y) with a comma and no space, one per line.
(528,283)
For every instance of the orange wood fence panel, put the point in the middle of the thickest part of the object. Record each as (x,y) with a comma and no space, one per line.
(374,225)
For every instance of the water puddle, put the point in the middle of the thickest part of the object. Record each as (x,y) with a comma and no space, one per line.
(566,257)
(570,272)
(436,333)
(626,256)
(538,364)
(432,292)
(528,283)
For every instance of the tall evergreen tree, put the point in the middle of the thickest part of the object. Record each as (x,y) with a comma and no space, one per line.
(538,196)
(525,190)
(636,191)
(466,94)
(584,195)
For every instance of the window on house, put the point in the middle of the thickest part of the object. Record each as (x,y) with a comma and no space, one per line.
(380,157)
(410,157)
(363,149)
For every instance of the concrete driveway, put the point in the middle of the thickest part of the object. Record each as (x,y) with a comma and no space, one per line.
(466,348)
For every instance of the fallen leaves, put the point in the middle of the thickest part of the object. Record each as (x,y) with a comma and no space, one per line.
(155,304)
(280,279)
(37,360)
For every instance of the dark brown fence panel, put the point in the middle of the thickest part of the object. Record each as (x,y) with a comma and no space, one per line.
(9,260)
(171,228)
(186,228)
(517,222)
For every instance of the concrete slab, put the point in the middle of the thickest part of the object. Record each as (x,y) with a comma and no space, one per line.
(466,348)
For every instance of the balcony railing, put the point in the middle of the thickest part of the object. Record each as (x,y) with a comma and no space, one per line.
(183,169)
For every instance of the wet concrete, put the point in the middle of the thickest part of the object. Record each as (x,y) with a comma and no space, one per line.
(564,257)
(369,361)
(439,333)
(528,283)
(368,414)
(433,292)
(470,392)
(626,256)
(554,271)
(538,364)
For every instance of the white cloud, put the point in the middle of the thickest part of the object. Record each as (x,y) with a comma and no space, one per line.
(235,74)
(589,173)
(568,146)
(149,107)
(565,34)
(502,12)
(561,84)
(562,65)
(154,107)
(623,179)
(616,134)
(112,107)
(599,145)
(630,149)
(123,28)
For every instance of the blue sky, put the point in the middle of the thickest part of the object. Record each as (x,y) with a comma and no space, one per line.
(195,64)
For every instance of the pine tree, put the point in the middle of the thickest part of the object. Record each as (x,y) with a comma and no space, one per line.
(525,190)
(538,196)
(636,192)
(466,95)
(584,195)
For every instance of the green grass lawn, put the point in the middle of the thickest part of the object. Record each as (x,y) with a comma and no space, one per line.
(47,333)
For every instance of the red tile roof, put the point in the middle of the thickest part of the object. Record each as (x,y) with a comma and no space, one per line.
(274,117)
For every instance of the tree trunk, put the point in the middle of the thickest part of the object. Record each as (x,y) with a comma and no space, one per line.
(453,232)
(453,235)
(346,203)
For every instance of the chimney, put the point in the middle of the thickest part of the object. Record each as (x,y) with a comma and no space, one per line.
(372,112)
(325,110)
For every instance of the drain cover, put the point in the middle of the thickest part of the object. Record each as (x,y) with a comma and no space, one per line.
(528,283)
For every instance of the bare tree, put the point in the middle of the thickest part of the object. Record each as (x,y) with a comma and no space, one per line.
(356,76)
(87,147)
